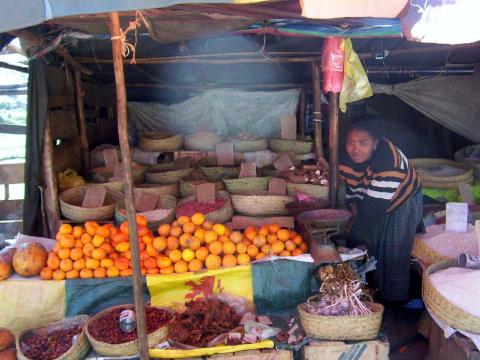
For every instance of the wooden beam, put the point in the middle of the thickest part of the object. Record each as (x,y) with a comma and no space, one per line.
(317,110)
(301,112)
(12,173)
(114,22)
(72,62)
(333,147)
(13,67)
(82,124)
(12,129)
(219,86)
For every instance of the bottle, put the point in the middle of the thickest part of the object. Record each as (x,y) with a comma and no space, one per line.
(128,322)
(469,261)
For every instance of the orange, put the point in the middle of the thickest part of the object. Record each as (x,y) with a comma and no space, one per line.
(153,271)
(290,245)
(79,264)
(273,228)
(260,255)
(200,234)
(78,244)
(213,261)
(86,273)
(64,253)
(99,254)
(229,248)
(66,265)
(118,238)
(56,247)
(167,270)
(128,255)
(180,267)
(143,231)
(106,263)
(183,239)
(304,247)
(141,220)
(151,251)
(201,253)
(229,261)
(113,231)
(122,264)
(73,274)
(143,255)
(175,255)
(85,239)
(141,245)
(58,275)
(236,237)
(77,232)
(241,248)
(283,234)
(166,252)
(53,261)
(193,243)
(243,259)
(182,220)
(215,247)
(223,238)
(259,240)
(278,246)
(210,236)
(195,265)
(172,242)
(92,264)
(228,231)
(252,251)
(46,273)
(90,229)
(198,218)
(150,263)
(124,228)
(285,253)
(123,246)
(66,241)
(271,238)
(250,234)
(189,228)
(102,231)
(126,272)
(207,225)
(266,249)
(148,239)
(188,255)
(107,247)
(160,243)
(175,223)
(98,240)
(219,229)
(164,230)
(113,272)
(114,255)
(163,262)
(65,229)
(297,239)
(263,230)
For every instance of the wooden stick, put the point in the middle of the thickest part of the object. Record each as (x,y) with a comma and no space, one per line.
(82,124)
(301,113)
(333,147)
(219,86)
(114,21)
(317,110)
(13,67)
(51,190)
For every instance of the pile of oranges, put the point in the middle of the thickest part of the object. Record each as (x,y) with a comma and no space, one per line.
(188,244)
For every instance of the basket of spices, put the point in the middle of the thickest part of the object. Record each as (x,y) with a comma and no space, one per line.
(238,186)
(261,203)
(247,142)
(189,187)
(221,211)
(111,184)
(202,141)
(104,174)
(299,147)
(166,174)
(157,189)
(160,141)
(218,173)
(442,173)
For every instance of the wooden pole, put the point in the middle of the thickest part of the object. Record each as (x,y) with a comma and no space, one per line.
(50,181)
(333,147)
(82,124)
(114,21)
(317,110)
(301,113)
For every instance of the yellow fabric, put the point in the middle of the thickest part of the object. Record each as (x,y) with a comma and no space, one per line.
(69,179)
(355,80)
(26,304)
(179,354)
(168,290)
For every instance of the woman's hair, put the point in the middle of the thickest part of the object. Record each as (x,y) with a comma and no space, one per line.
(372,124)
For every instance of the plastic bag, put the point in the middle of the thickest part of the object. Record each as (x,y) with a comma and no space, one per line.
(69,179)
(332,65)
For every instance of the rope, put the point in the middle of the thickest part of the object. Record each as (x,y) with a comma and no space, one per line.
(127,47)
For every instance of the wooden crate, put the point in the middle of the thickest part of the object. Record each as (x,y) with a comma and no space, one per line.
(249,355)
(336,350)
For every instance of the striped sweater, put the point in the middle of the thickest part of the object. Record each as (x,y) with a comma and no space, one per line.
(379,185)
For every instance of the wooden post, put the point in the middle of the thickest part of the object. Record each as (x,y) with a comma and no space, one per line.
(82,124)
(317,110)
(50,181)
(301,113)
(333,147)
(129,202)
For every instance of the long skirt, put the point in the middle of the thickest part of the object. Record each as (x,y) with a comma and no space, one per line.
(391,244)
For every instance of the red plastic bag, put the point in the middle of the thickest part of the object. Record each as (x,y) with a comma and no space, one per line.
(332,65)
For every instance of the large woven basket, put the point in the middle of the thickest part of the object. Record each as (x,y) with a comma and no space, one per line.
(362,327)
(239,186)
(464,155)
(162,174)
(163,202)
(189,187)
(112,185)
(218,173)
(138,172)
(261,204)
(78,350)
(157,189)
(248,145)
(441,307)
(71,205)
(442,182)
(160,141)
(202,141)
(316,191)
(125,349)
(299,147)
(426,254)
(220,216)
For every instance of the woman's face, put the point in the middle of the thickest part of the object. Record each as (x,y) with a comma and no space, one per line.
(360,145)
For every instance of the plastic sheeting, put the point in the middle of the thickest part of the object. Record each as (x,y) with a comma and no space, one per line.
(223,111)
(452,101)
(327,9)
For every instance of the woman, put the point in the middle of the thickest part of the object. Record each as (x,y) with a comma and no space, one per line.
(385,198)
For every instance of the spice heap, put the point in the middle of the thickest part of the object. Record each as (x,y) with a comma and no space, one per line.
(191,207)
(309,174)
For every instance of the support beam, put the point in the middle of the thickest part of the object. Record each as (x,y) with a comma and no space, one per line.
(317,110)
(301,113)
(114,22)
(333,147)
(82,123)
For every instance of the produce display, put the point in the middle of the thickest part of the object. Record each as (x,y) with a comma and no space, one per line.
(6,269)
(7,340)
(29,259)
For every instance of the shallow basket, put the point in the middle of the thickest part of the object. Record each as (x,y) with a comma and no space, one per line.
(218,173)
(112,185)
(157,189)
(189,187)
(361,327)
(206,142)
(299,147)
(78,350)
(239,186)
(426,254)
(220,216)
(165,174)
(315,191)
(462,156)
(124,349)
(441,307)
(138,172)
(71,205)
(248,145)
(442,182)
(160,141)
(261,204)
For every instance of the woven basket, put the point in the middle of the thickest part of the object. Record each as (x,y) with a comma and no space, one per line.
(441,307)
(112,185)
(299,147)
(189,187)
(362,327)
(160,190)
(261,204)
(316,191)
(248,145)
(162,174)
(222,215)
(78,350)
(71,205)
(218,173)
(462,155)
(267,171)
(138,172)
(160,141)
(426,254)
(163,202)
(239,186)
(464,177)
(125,349)
(445,185)
(202,141)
